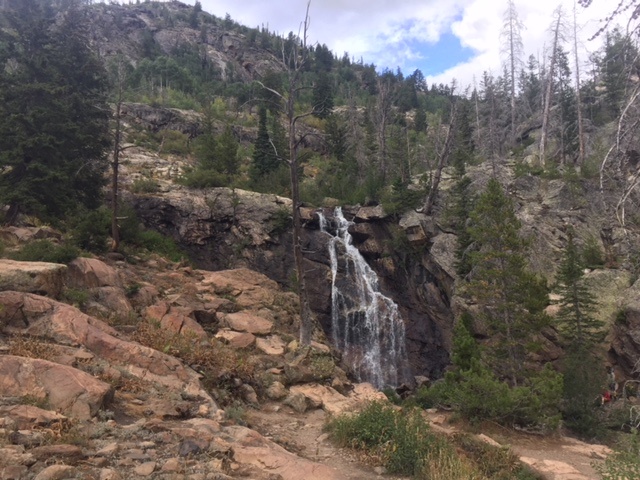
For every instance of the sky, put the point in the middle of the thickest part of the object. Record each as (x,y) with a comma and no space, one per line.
(445,39)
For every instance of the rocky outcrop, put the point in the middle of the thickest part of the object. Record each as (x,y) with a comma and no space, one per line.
(65,389)
(222,228)
(33,277)
(42,317)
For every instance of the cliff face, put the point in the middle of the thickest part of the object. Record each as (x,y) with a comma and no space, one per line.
(222,228)
(134,30)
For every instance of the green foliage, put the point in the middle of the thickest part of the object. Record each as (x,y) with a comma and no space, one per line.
(402,441)
(584,381)
(54,117)
(282,221)
(592,255)
(174,142)
(76,297)
(91,230)
(218,154)
(400,198)
(512,298)
(46,251)
(200,178)
(623,464)
(144,185)
(479,396)
(580,329)
(265,158)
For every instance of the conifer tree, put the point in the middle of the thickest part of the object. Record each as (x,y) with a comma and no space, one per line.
(580,329)
(54,117)
(512,297)
(264,158)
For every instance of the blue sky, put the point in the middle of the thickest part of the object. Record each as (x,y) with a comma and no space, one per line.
(446,39)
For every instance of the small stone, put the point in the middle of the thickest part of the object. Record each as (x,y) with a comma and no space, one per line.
(171,465)
(109,474)
(276,391)
(192,446)
(297,401)
(380,470)
(56,472)
(108,450)
(249,395)
(13,472)
(145,469)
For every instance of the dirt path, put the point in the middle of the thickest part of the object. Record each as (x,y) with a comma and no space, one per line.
(557,458)
(302,434)
(554,457)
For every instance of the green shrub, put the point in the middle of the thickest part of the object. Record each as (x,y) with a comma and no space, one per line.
(76,297)
(200,178)
(623,464)
(92,229)
(478,396)
(174,142)
(46,251)
(145,185)
(402,441)
(158,243)
(592,253)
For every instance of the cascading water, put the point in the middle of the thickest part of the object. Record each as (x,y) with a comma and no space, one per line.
(366,325)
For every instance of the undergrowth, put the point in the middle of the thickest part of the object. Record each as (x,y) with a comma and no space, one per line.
(402,441)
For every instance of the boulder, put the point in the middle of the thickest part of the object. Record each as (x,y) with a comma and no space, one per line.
(175,320)
(251,448)
(272,345)
(236,339)
(69,326)
(32,277)
(248,322)
(92,273)
(65,389)
(24,417)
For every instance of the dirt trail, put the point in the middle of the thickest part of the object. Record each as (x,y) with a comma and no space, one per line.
(302,434)
(557,458)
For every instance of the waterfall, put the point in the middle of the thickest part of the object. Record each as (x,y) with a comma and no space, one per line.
(366,325)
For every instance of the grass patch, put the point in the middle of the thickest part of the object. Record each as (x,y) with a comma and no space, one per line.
(46,251)
(402,441)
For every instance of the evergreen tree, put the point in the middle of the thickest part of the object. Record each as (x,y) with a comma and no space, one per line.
(512,297)
(576,322)
(264,157)
(54,116)
(322,96)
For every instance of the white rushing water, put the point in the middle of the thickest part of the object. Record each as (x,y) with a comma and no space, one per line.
(366,325)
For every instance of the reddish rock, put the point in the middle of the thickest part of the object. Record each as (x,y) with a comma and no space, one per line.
(247,322)
(67,325)
(251,448)
(175,320)
(29,416)
(272,345)
(71,454)
(66,389)
(92,273)
(33,277)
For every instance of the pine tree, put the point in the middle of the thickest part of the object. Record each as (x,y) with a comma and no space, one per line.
(580,329)
(512,297)
(54,117)
(265,159)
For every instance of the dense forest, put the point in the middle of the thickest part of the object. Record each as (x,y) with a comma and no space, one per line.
(279,115)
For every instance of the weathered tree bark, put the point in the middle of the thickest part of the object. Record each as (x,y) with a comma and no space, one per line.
(549,89)
(443,157)
(578,94)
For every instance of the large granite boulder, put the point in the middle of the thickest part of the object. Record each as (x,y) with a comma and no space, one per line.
(33,277)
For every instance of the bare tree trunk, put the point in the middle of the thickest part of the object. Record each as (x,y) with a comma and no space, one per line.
(549,92)
(581,153)
(443,157)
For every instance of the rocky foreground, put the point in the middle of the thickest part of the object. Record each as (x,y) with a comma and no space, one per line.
(159,370)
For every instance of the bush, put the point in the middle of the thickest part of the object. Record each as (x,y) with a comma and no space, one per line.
(592,253)
(145,185)
(46,251)
(478,395)
(92,229)
(201,178)
(401,440)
